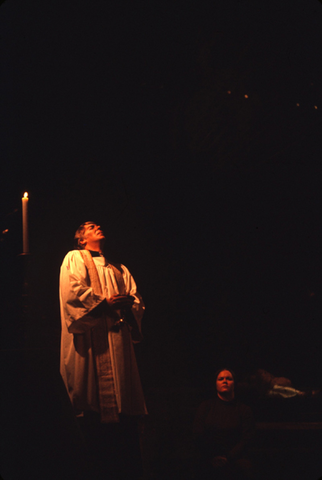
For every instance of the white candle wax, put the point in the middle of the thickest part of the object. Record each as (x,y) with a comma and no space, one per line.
(25,243)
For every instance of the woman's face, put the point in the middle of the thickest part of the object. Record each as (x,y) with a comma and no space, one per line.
(225,383)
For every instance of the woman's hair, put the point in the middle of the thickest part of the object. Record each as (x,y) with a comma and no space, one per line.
(79,235)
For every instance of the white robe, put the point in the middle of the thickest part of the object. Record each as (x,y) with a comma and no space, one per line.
(77,362)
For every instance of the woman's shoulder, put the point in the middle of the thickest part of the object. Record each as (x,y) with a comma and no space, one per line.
(207,404)
(244,410)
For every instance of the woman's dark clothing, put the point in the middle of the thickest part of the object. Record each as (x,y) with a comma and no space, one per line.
(223,429)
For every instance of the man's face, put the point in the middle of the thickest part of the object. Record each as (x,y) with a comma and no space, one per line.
(93,235)
(225,382)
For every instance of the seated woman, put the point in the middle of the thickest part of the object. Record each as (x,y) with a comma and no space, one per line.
(223,429)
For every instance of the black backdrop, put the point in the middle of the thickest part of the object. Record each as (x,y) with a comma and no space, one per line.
(175,126)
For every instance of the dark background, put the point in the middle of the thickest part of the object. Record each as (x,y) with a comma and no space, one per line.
(119,112)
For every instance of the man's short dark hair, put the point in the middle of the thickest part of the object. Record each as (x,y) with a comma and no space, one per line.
(79,235)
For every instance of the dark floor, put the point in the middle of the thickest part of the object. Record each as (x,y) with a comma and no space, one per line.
(283,449)
(41,439)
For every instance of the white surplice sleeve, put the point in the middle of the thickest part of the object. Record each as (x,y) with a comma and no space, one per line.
(138,306)
(77,299)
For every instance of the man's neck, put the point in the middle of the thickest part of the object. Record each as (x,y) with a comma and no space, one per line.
(94,248)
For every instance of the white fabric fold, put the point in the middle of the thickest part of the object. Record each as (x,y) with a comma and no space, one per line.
(79,318)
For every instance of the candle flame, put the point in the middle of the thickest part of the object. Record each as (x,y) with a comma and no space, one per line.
(25,195)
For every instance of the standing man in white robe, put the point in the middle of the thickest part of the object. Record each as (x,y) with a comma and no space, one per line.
(101,313)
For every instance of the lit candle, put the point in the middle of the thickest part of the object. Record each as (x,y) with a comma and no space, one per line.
(25,243)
